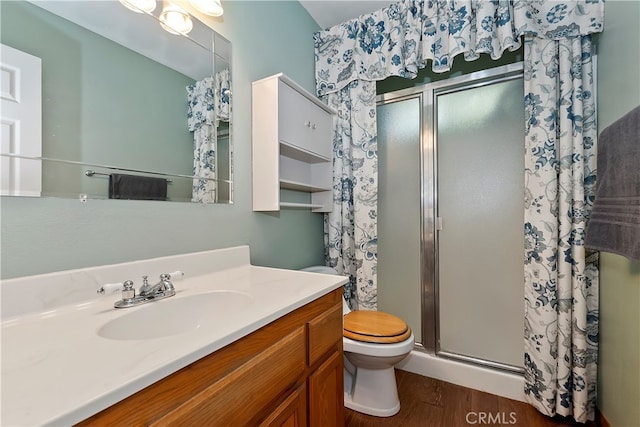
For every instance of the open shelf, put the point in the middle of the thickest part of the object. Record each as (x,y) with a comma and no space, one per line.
(299,205)
(301,186)
(300,154)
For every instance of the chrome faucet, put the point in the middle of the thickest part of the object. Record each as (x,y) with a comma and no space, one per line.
(164,286)
(163,289)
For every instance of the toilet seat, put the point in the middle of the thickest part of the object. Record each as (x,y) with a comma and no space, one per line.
(375,327)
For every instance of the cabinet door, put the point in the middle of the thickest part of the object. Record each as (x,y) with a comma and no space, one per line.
(302,123)
(290,413)
(326,393)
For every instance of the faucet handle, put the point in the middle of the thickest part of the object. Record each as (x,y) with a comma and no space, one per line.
(146,287)
(128,291)
(165,280)
(110,288)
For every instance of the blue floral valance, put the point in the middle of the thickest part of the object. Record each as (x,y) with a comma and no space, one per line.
(399,40)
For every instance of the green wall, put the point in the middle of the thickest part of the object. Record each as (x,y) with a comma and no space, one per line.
(618,93)
(49,234)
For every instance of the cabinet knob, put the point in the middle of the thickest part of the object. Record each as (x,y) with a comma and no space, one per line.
(307,124)
(313,125)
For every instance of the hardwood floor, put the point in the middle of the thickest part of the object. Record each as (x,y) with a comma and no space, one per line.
(433,403)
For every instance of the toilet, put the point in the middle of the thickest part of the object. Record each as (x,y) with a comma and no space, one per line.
(374,342)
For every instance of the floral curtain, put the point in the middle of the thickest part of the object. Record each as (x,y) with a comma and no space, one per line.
(561,281)
(351,228)
(401,39)
(209,103)
(201,120)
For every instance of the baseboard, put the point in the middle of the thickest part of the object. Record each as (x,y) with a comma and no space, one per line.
(491,381)
(601,421)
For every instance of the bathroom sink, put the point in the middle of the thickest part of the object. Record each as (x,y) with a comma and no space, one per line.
(172,316)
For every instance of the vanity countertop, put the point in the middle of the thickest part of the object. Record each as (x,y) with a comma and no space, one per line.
(57,370)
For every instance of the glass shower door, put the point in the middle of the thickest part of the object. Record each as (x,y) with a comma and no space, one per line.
(399,258)
(479,141)
(450,214)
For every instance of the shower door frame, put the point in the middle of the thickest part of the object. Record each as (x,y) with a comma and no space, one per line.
(430,223)
(427,218)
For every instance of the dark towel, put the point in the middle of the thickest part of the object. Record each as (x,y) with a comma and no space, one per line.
(614,225)
(135,187)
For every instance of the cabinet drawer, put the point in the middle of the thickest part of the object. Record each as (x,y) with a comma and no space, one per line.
(325,331)
(302,123)
(240,396)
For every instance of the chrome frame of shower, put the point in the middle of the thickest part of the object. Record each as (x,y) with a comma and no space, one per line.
(427,93)
(427,226)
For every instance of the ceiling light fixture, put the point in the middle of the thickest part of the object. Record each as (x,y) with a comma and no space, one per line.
(140,6)
(208,7)
(175,20)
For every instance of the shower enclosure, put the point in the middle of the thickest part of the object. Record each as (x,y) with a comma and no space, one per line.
(450,215)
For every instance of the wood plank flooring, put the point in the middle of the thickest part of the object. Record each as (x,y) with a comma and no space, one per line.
(432,403)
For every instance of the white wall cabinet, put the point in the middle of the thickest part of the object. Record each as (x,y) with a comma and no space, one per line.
(292,145)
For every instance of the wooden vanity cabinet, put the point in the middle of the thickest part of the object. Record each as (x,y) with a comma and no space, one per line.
(287,373)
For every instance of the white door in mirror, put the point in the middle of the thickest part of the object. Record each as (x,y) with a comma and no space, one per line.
(21,123)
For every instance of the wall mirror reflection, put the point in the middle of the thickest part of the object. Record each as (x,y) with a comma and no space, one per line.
(126,106)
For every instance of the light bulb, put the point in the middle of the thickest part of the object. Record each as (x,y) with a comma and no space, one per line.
(208,7)
(139,6)
(175,20)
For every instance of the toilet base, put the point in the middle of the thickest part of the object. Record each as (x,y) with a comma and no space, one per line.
(374,392)
(376,412)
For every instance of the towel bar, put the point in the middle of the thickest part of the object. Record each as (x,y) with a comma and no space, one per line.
(90,172)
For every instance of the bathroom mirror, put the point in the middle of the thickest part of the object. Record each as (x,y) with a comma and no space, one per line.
(115,99)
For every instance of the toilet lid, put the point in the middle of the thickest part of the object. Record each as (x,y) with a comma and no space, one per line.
(375,327)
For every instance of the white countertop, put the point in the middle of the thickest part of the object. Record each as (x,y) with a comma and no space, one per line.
(56,369)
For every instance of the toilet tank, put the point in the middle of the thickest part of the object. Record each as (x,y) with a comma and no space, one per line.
(328,270)
(320,269)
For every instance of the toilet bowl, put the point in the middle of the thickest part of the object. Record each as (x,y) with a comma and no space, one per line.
(374,342)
